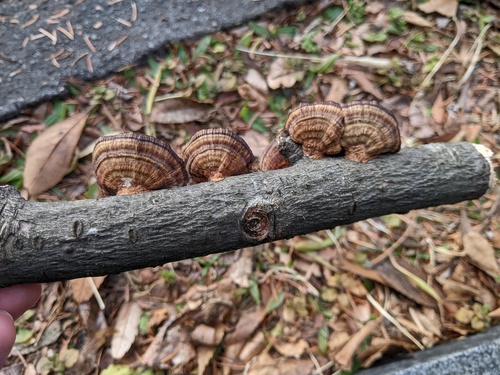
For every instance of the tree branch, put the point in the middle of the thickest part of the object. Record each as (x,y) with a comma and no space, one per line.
(42,242)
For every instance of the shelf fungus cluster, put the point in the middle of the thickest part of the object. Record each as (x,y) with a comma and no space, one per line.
(132,163)
(362,130)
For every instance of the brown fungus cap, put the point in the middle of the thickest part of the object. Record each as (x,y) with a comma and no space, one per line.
(271,158)
(369,130)
(131,163)
(214,154)
(317,127)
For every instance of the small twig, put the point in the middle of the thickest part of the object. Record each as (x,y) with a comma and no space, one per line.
(371,62)
(174,95)
(394,246)
(477,48)
(391,319)
(426,82)
(290,275)
(322,369)
(334,239)
(311,257)
(150,129)
(314,361)
(96,294)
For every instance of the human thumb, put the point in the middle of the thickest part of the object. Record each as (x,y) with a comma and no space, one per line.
(7,336)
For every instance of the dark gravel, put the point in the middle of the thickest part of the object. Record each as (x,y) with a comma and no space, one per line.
(28,75)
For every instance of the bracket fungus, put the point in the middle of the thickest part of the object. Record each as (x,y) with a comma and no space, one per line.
(361,129)
(370,130)
(214,154)
(272,158)
(317,127)
(131,163)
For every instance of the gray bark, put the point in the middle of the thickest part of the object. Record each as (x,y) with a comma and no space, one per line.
(42,242)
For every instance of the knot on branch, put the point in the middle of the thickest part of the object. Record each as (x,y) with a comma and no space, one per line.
(257,222)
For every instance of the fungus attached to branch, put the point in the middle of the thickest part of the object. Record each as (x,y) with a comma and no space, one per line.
(42,242)
(131,163)
(214,154)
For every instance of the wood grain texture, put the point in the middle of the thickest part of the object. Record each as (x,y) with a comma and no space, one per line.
(42,242)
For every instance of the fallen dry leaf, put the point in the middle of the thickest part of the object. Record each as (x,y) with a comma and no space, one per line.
(246,326)
(240,270)
(365,83)
(337,340)
(378,347)
(30,370)
(458,292)
(205,354)
(282,76)
(253,347)
(265,365)
(359,270)
(417,281)
(256,141)
(419,122)
(427,321)
(126,329)
(439,113)
(416,19)
(257,101)
(158,316)
(471,132)
(447,8)
(337,91)
(495,314)
(374,7)
(488,298)
(91,349)
(82,291)
(206,335)
(357,46)
(171,348)
(51,334)
(480,252)
(254,78)
(396,280)
(180,111)
(291,349)
(49,156)
(345,356)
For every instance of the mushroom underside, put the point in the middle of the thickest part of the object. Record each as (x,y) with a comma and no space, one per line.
(363,142)
(216,162)
(129,174)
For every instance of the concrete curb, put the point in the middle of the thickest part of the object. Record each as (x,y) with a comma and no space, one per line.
(475,355)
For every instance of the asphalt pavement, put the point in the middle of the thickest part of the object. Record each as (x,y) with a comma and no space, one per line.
(45,43)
